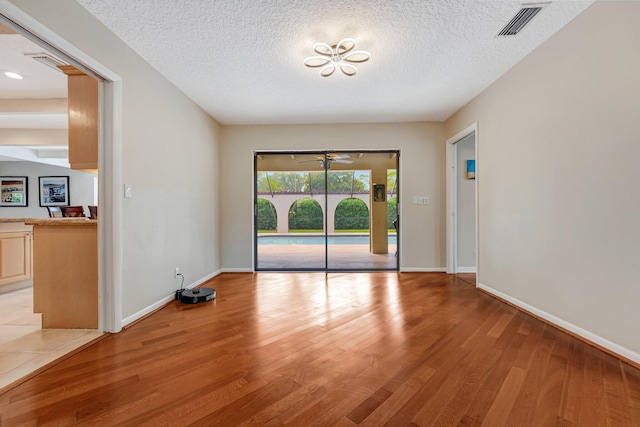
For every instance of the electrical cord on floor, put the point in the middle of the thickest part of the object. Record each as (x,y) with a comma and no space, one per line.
(181,290)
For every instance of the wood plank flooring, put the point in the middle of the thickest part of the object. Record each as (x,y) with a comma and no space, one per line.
(369,349)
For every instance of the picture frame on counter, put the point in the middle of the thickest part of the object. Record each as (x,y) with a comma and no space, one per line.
(14,191)
(54,190)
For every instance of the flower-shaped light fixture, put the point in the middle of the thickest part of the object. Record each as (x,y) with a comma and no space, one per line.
(340,56)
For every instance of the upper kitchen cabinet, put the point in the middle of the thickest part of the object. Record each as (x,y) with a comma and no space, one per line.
(83,119)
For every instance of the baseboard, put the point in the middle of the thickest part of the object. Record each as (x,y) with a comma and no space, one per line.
(236,270)
(16,286)
(466,270)
(161,303)
(422,270)
(590,338)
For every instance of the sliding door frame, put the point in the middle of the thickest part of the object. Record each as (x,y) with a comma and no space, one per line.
(324,153)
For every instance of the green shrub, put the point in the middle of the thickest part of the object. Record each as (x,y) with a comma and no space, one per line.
(306,214)
(352,214)
(392,212)
(267,216)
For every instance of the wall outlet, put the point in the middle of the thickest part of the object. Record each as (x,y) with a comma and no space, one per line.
(176,272)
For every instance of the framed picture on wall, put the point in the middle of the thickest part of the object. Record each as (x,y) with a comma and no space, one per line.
(471,169)
(54,190)
(14,191)
(379,195)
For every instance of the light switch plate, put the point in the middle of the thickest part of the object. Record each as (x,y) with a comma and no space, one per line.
(128,191)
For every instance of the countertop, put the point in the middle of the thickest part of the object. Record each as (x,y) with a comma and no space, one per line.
(60,221)
(8,220)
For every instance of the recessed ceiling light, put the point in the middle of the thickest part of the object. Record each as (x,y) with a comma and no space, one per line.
(13,75)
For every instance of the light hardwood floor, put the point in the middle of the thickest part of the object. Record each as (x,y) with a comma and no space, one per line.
(24,346)
(304,349)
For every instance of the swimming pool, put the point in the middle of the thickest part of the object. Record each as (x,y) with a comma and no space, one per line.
(292,239)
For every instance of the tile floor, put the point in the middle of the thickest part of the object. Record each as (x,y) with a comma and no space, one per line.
(24,346)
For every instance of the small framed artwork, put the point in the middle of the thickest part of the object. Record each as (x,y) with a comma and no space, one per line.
(471,169)
(14,191)
(379,193)
(54,190)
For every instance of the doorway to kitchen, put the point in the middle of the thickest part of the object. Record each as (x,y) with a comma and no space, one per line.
(326,211)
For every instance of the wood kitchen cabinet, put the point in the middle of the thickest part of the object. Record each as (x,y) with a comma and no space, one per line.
(65,272)
(15,256)
(83,119)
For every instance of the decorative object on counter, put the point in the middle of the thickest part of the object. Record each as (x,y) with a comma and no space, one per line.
(54,190)
(72,211)
(93,212)
(14,191)
(54,212)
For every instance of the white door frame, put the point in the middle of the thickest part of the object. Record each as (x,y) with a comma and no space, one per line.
(452,196)
(109,161)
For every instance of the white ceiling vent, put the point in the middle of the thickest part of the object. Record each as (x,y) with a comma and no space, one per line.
(521,19)
(47,59)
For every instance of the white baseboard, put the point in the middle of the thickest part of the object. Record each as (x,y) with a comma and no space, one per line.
(422,270)
(24,284)
(588,336)
(156,305)
(466,270)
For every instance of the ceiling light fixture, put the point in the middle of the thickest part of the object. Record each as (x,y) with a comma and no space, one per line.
(340,56)
(13,75)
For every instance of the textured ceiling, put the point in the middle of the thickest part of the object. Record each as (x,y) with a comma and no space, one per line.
(241,60)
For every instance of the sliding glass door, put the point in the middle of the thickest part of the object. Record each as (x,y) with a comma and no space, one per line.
(318,211)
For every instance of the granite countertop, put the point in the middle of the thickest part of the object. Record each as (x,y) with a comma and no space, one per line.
(7,220)
(60,221)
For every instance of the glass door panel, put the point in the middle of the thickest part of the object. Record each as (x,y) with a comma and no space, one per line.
(289,220)
(358,234)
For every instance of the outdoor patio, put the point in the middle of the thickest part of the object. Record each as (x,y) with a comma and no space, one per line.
(301,256)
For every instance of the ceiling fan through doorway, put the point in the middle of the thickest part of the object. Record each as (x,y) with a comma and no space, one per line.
(325,161)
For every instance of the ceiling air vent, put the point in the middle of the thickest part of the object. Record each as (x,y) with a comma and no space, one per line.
(522,18)
(46,59)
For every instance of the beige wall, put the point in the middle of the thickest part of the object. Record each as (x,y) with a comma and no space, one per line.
(559,143)
(422,159)
(170,152)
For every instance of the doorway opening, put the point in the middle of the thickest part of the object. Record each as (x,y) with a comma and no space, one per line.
(21,25)
(462,201)
(326,211)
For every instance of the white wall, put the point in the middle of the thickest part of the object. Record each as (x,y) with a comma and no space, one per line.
(421,173)
(170,152)
(466,206)
(80,186)
(559,144)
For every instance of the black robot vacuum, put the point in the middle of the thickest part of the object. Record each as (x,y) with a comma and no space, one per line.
(195,295)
